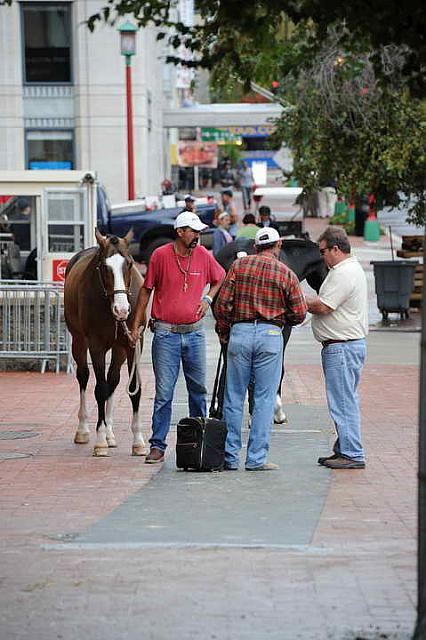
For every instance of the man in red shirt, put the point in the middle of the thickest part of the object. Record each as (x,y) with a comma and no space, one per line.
(260,294)
(178,273)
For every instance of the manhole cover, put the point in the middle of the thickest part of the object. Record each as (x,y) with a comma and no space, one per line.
(10,455)
(17,435)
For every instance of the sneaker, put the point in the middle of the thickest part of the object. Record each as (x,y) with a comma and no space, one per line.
(227,467)
(268,466)
(154,456)
(344,463)
(323,459)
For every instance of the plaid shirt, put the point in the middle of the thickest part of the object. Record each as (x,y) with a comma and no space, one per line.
(259,287)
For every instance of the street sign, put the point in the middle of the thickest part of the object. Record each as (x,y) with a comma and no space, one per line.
(218,135)
(58,270)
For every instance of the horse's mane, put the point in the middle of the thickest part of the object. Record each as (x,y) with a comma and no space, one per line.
(81,254)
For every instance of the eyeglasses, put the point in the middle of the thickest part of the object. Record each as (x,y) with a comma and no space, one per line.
(322,251)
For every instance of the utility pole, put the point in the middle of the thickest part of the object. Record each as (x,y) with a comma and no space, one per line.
(420,631)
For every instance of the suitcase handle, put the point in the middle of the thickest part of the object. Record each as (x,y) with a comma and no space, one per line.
(216,405)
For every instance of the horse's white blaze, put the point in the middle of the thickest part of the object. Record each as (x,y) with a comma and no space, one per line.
(121,306)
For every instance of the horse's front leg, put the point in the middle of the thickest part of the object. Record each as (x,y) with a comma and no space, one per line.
(79,352)
(101,394)
(113,378)
(138,446)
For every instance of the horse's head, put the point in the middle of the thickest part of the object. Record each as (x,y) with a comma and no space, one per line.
(115,267)
(303,257)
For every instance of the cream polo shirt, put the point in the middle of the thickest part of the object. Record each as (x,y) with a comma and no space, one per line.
(345,291)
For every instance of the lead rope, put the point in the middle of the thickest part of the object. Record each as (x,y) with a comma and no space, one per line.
(135,370)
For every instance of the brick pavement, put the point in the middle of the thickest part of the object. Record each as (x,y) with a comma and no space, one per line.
(355,580)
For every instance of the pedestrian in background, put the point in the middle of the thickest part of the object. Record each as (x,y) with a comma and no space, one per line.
(340,323)
(265,218)
(177,275)
(249,228)
(228,206)
(246,180)
(190,204)
(260,294)
(327,198)
(221,235)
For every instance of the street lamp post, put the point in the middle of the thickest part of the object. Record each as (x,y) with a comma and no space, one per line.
(128,49)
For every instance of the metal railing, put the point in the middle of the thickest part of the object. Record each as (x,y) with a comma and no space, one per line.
(32,324)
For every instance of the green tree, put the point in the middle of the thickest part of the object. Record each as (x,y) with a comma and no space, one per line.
(349,116)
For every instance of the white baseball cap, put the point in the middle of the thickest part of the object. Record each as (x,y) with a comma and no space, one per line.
(189,219)
(266,235)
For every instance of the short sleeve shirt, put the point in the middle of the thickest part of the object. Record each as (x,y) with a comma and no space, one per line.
(171,303)
(345,291)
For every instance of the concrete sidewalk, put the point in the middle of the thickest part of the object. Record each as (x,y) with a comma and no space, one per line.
(112,549)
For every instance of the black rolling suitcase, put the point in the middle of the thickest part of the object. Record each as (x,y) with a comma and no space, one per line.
(200,442)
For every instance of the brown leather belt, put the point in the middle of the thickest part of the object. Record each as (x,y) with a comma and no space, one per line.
(261,321)
(327,342)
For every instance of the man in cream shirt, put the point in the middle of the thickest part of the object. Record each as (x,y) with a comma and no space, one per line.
(340,323)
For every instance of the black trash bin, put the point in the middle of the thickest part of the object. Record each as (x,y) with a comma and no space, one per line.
(394,280)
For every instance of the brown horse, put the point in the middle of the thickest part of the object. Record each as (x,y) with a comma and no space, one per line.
(98,285)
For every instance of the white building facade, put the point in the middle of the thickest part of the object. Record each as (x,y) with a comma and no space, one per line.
(63,96)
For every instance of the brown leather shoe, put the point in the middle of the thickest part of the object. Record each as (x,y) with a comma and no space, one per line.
(154,456)
(324,459)
(344,463)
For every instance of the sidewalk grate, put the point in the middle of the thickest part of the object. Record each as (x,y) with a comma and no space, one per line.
(17,435)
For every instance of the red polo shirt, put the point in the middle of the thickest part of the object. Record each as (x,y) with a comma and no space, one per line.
(171,303)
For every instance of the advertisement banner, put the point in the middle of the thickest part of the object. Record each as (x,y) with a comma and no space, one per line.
(192,153)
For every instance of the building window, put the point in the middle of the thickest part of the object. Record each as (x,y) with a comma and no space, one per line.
(47,42)
(50,149)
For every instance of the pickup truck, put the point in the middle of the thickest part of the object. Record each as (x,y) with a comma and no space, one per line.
(151,228)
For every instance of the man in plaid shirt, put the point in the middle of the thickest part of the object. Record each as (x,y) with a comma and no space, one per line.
(260,294)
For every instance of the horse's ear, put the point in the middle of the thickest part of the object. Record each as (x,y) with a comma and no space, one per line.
(100,238)
(128,237)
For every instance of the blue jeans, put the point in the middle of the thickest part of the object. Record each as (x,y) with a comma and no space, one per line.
(168,350)
(255,351)
(342,365)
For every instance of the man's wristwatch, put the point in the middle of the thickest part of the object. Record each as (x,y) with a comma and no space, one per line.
(207,299)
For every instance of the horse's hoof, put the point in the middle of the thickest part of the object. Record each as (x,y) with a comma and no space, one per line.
(111,442)
(281,418)
(139,450)
(100,452)
(81,438)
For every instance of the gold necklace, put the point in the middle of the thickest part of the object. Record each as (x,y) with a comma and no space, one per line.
(185,272)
